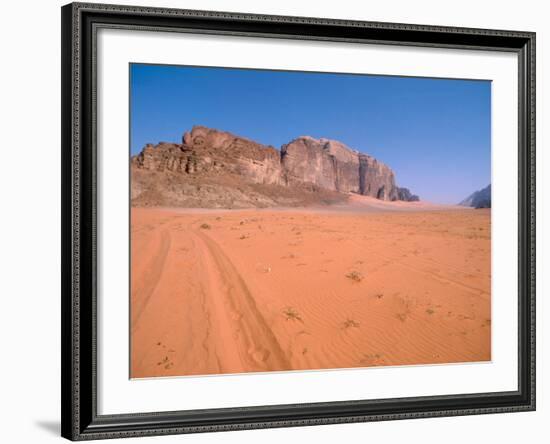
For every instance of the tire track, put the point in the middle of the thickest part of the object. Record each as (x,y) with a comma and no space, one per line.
(442,279)
(434,275)
(252,339)
(144,289)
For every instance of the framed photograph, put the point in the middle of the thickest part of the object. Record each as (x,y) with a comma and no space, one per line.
(282,221)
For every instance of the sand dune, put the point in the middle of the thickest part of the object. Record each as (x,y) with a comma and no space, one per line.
(374,283)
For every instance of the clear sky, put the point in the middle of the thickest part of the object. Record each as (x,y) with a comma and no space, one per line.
(434,133)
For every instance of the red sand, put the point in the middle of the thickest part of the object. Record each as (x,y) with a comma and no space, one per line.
(260,290)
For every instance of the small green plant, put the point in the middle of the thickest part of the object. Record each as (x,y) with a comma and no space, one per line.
(292,315)
(402,316)
(355,276)
(205,226)
(164,361)
(350,323)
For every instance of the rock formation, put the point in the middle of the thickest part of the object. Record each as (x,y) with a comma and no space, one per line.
(478,199)
(406,195)
(332,165)
(212,168)
(209,151)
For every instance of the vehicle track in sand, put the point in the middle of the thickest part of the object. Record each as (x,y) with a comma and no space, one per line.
(240,324)
(152,278)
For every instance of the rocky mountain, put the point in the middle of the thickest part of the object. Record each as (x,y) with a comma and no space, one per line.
(478,199)
(406,195)
(216,169)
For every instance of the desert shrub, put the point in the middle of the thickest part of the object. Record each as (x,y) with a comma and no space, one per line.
(355,276)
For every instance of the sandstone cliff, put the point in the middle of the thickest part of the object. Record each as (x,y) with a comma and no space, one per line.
(209,151)
(212,168)
(334,166)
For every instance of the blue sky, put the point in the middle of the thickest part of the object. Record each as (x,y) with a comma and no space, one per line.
(434,133)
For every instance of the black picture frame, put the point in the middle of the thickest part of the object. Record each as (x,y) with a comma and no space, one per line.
(80,420)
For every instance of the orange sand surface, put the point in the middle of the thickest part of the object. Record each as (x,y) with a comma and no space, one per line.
(237,291)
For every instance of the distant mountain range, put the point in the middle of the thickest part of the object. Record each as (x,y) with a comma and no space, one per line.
(478,199)
(216,169)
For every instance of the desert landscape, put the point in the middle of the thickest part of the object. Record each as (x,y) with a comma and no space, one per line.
(247,258)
